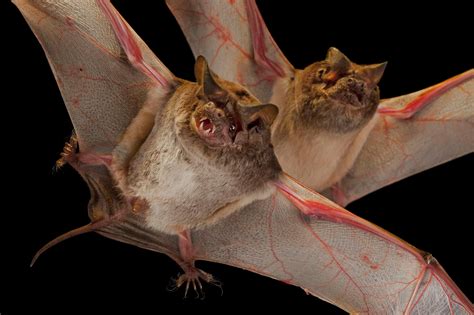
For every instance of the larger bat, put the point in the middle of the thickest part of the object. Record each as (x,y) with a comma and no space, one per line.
(187,169)
(330,133)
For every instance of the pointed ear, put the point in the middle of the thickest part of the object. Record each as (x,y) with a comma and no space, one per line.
(266,112)
(338,60)
(207,79)
(373,73)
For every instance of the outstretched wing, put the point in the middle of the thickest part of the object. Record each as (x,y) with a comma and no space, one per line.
(305,240)
(104,76)
(413,133)
(234,39)
(104,72)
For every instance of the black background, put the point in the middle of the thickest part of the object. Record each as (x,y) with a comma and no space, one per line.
(432,210)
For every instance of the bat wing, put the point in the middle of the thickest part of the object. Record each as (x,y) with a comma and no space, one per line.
(303,239)
(104,72)
(234,39)
(413,133)
(104,76)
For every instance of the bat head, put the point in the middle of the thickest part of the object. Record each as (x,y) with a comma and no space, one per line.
(227,116)
(336,94)
(227,128)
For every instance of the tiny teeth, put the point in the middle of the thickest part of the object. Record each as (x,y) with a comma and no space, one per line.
(201,126)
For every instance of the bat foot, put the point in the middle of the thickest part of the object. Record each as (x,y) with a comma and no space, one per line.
(192,278)
(71,156)
(68,155)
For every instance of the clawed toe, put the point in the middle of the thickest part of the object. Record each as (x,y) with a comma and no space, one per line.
(192,279)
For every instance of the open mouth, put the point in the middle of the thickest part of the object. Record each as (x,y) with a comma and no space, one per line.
(206,126)
(225,128)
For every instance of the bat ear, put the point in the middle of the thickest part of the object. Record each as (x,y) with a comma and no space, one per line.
(373,73)
(208,81)
(266,112)
(338,60)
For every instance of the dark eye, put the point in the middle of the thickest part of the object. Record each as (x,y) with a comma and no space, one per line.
(232,128)
(322,71)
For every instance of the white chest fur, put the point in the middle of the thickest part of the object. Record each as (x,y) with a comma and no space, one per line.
(321,160)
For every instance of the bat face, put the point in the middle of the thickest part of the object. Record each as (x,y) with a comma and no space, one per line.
(225,125)
(337,95)
(208,154)
(227,118)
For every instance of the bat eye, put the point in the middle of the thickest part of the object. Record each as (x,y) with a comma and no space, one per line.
(232,128)
(321,72)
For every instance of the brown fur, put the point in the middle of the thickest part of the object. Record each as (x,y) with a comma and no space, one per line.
(187,180)
(325,118)
(340,107)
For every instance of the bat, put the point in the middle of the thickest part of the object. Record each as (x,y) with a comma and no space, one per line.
(285,185)
(332,104)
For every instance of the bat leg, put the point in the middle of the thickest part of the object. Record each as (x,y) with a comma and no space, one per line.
(426,97)
(71,156)
(192,276)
